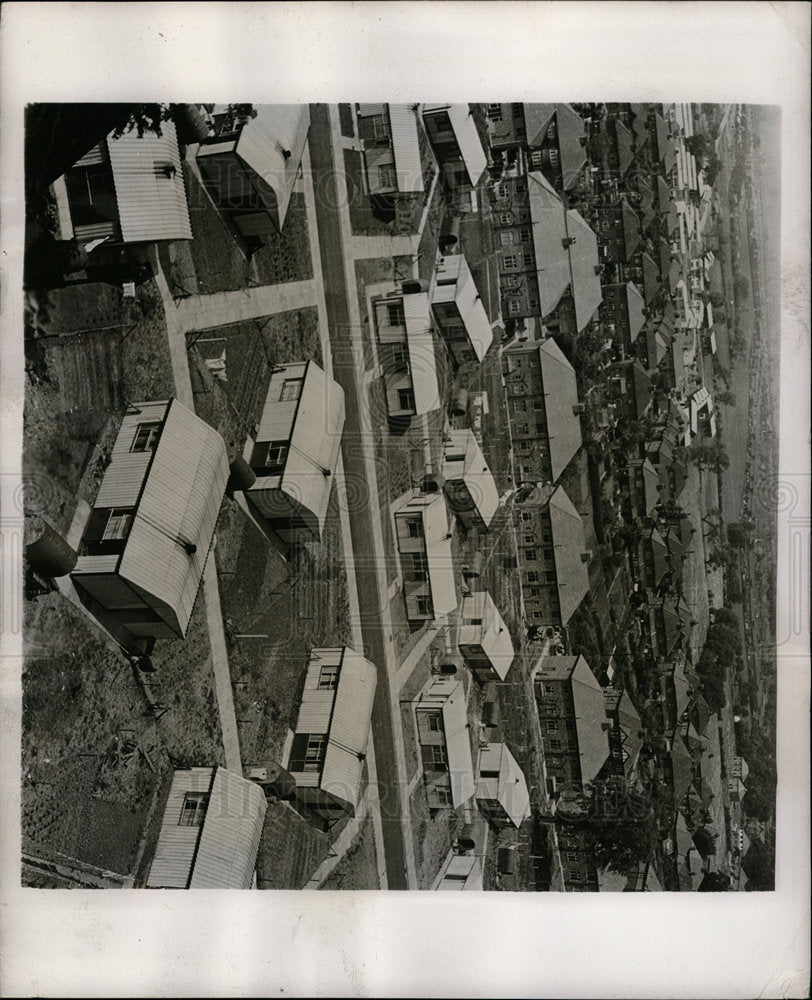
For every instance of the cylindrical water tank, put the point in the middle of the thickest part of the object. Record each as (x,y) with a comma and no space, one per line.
(241,475)
(473,568)
(466,840)
(449,234)
(490,713)
(49,554)
(459,404)
(414,285)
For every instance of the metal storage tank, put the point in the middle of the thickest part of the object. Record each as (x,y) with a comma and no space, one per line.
(506,861)
(459,404)
(466,840)
(49,554)
(241,476)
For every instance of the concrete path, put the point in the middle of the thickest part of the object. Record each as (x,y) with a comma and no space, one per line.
(176,336)
(367,247)
(199,312)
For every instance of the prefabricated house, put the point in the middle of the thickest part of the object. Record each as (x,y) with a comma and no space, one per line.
(251,165)
(210,833)
(469,486)
(501,789)
(406,353)
(151,527)
(483,638)
(129,190)
(391,148)
(330,740)
(296,450)
(458,310)
(456,143)
(460,872)
(424,545)
(445,747)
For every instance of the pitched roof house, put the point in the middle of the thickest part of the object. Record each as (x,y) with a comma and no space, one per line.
(501,788)
(458,309)
(149,533)
(456,142)
(296,449)
(332,730)
(445,744)
(389,133)
(251,165)
(210,832)
(469,487)
(130,190)
(406,353)
(424,544)
(483,638)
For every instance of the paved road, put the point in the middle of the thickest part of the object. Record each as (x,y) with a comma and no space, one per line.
(360,515)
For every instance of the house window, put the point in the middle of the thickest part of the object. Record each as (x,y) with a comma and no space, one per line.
(575,876)
(555,745)
(537,616)
(415,566)
(506,237)
(526,516)
(510,281)
(442,796)
(506,218)
(423,606)
(514,306)
(530,555)
(118,524)
(434,722)
(548,554)
(572,858)
(380,126)
(291,390)
(275,456)
(525,235)
(435,757)
(519,405)
(529,538)
(549,576)
(531,576)
(193,809)
(328,678)
(394,312)
(406,399)
(387,178)
(146,436)
(535,592)
(415,528)
(509,262)
(307,752)
(552,726)
(494,112)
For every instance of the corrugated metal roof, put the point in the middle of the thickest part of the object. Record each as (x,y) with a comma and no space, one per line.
(440,562)
(560,389)
(493,635)
(180,504)
(349,726)
(569,542)
(422,361)
(512,793)
(232,828)
(151,205)
(406,147)
(467,136)
(262,143)
(458,745)
(467,299)
(314,443)
(473,471)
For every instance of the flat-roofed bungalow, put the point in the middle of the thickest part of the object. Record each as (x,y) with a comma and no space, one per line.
(391,148)
(406,353)
(445,744)
(210,832)
(424,544)
(332,730)
(251,166)
(296,449)
(130,190)
(501,788)
(459,311)
(456,142)
(483,639)
(152,523)
(469,486)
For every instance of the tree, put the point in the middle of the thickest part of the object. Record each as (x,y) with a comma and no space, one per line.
(741,286)
(738,533)
(726,398)
(697,144)
(715,882)
(759,865)
(705,842)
